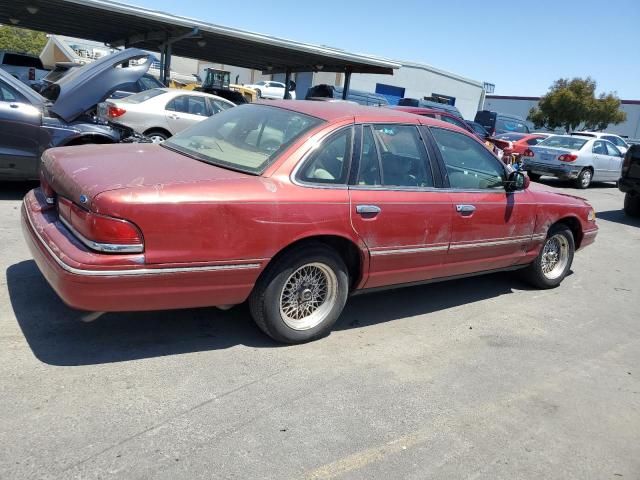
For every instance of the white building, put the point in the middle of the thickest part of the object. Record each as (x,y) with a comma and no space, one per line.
(520,106)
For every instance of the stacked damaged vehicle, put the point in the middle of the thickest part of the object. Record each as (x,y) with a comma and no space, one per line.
(63,114)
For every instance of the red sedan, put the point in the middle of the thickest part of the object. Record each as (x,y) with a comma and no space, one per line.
(518,143)
(292,206)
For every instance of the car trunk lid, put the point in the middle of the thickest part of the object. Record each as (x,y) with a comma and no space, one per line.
(83,172)
(550,155)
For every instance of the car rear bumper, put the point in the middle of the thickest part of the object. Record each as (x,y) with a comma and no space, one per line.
(94,281)
(564,172)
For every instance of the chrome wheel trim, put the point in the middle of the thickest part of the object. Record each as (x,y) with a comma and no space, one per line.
(586,178)
(555,256)
(308,296)
(156,138)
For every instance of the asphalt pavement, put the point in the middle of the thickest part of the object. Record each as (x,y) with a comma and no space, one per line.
(482,378)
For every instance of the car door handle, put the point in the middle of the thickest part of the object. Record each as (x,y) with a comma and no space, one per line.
(173,116)
(368,209)
(465,209)
(14,105)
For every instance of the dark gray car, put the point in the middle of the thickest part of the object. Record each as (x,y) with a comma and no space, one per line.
(31,123)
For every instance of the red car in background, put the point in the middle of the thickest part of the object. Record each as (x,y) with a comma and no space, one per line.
(292,206)
(517,143)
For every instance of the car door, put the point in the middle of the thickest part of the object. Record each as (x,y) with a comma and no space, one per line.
(186,110)
(396,207)
(601,160)
(490,228)
(21,135)
(615,161)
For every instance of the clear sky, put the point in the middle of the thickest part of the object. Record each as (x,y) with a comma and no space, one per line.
(521,47)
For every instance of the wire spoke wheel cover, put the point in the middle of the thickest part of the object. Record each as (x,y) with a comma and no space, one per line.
(555,256)
(308,296)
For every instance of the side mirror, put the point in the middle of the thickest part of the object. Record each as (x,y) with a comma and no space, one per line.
(517,181)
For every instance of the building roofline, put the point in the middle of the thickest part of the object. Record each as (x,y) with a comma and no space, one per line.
(536,99)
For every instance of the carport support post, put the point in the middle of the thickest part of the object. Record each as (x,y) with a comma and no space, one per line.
(287,80)
(166,66)
(347,83)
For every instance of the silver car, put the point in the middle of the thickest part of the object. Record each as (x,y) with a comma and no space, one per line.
(160,113)
(572,157)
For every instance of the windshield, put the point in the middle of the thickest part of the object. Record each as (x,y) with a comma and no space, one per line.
(511,137)
(572,143)
(143,96)
(246,138)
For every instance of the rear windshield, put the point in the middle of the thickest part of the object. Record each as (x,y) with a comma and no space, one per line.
(143,96)
(22,60)
(511,137)
(511,125)
(572,143)
(246,138)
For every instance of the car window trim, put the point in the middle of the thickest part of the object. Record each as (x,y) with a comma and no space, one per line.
(445,177)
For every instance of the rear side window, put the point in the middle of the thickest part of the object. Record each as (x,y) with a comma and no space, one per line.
(218,106)
(599,148)
(329,164)
(534,141)
(394,156)
(469,164)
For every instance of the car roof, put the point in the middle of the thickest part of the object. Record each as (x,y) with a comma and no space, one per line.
(334,111)
(420,110)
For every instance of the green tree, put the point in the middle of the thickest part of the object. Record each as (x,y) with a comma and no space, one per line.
(22,40)
(572,102)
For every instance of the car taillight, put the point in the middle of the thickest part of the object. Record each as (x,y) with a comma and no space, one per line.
(567,157)
(115,112)
(101,232)
(529,153)
(47,190)
(32,74)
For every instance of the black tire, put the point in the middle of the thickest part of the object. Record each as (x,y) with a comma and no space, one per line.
(632,204)
(265,299)
(258,93)
(161,134)
(534,274)
(534,177)
(584,178)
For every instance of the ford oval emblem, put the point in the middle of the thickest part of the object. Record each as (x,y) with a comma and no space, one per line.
(84,199)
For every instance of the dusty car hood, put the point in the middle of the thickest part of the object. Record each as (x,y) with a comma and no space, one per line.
(83,88)
(93,169)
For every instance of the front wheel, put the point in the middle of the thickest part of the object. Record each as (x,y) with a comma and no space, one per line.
(258,93)
(301,295)
(554,260)
(632,204)
(584,179)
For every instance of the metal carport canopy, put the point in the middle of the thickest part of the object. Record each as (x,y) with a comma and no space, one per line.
(120,24)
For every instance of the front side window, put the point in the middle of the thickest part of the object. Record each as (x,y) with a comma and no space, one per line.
(246,138)
(617,141)
(189,104)
(394,156)
(612,150)
(469,164)
(329,164)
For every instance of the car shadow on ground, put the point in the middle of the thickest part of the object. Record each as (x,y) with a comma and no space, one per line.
(15,190)
(58,337)
(618,216)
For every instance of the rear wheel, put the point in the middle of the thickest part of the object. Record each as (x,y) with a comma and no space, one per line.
(157,136)
(301,295)
(584,179)
(554,260)
(632,204)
